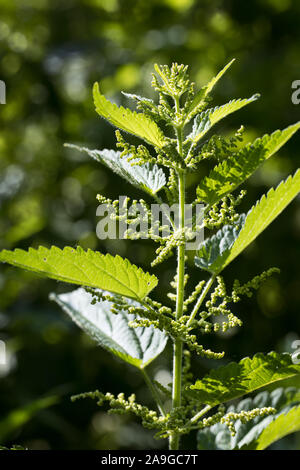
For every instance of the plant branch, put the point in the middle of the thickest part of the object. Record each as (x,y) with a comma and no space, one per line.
(201,299)
(177,354)
(198,415)
(154,392)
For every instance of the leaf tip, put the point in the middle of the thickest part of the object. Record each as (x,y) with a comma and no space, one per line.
(96,87)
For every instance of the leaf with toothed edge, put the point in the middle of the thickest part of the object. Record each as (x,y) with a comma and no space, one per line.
(214,249)
(199,99)
(263,213)
(204,121)
(284,424)
(237,379)
(223,247)
(149,178)
(230,173)
(86,268)
(129,121)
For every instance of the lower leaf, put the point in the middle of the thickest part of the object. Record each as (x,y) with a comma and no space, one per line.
(286,423)
(137,346)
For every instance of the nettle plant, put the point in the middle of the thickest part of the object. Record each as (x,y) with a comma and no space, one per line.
(113,304)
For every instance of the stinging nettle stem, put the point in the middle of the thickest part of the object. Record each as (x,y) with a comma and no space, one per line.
(199,415)
(177,352)
(201,299)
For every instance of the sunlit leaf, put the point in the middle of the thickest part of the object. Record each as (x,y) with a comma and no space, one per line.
(199,98)
(229,174)
(137,98)
(284,424)
(204,121)
(237,379)
(130,121)
(219,250)
(86,268)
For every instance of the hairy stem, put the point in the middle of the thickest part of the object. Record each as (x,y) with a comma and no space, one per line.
(199,415)
(177,354)
(177,348)
(154,392)
(201,299)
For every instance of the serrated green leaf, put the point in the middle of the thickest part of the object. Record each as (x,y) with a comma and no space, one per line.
(264,212)
(215,79)
(218,436)
(229,174)
(237,379)
(130,121)
(219,250)
(86,268)
(137,346)
(204,121)
(199,98)
(284,424)
(214,250)
(149,178)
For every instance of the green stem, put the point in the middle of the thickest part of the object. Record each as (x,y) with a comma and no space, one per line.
(177,354)
(197,416)
(178,129)
(177,351)
(201,299)
(154,392)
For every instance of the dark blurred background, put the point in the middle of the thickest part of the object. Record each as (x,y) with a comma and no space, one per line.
(51,52)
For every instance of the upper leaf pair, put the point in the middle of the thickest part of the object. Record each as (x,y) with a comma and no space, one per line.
(143,126)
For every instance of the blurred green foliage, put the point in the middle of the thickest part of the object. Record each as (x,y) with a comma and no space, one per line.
(51,53)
